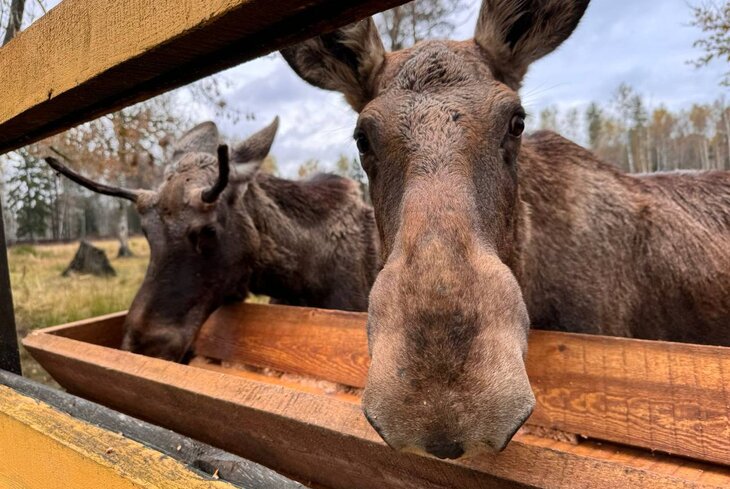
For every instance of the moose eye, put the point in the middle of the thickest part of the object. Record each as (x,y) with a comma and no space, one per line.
(517,125)
(362,142)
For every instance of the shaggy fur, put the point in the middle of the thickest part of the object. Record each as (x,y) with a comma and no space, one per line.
(479,227)
(643,256)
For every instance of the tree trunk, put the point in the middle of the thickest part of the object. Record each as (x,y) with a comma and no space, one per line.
(90,260)
(15,19)
(726,121)
(123,233)
(630,152)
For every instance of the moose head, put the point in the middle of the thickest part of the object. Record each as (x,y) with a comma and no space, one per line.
(439,133)
(201,237)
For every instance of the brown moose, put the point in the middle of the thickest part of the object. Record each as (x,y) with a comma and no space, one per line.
(218,231)
(481,227)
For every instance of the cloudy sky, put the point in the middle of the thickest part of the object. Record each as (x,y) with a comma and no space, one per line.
(645,43)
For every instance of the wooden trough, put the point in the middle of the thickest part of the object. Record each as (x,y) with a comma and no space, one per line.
(647,414)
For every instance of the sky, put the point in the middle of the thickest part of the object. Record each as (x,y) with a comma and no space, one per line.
(646,43)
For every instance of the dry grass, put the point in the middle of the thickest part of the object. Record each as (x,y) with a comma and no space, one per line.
(43,298)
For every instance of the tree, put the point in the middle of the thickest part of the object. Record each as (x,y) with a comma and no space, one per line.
(270,165)
(351,168)
(122,148)
(308,168)
(31,194)
(698,117)
(549,119)
(662,126)
(571,125)
(14,21)
(14,14)
(594,122)
(714,20)
(407,24)
(632,112)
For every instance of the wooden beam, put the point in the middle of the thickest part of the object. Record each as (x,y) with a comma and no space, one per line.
(327,441)
(9,354)
(84,59)
(41,448)
(663,396)
(192,453)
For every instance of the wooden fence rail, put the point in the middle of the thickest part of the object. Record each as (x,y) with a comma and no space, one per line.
(664,396)
(84,59)
(315,433)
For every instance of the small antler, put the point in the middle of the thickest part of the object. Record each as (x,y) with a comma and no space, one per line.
(99,188)
(211,195)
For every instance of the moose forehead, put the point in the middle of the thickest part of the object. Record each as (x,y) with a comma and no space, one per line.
(435,65)
(192,171)
(453,77)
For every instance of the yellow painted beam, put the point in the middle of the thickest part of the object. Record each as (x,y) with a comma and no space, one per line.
(86,58)
(42,448)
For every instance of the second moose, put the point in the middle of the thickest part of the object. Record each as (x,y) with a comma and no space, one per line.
(218,231)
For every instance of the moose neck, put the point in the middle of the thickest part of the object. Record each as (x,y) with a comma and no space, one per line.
(315,236)
(564,236)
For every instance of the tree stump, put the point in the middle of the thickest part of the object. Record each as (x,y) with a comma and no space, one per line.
(90,260)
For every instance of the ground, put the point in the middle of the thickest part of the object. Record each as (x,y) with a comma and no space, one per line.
(43,298)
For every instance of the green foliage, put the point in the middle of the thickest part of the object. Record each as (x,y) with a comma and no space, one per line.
(32,194)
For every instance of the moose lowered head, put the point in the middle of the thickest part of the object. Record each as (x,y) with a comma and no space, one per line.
(201,242)
(439,133)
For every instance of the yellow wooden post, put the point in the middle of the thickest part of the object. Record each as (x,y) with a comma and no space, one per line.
(42,448)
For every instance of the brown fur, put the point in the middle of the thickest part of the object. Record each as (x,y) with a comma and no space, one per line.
(643,256)
(479,226)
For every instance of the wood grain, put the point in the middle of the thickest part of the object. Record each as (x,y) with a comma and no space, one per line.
(329,345)
(42,448)
(206,460)
(84,59)
(663,396)
(325,440)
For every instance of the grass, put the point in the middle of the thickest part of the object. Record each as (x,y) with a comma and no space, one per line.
(42,297)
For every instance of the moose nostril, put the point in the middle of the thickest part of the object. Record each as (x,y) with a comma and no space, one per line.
(443,448)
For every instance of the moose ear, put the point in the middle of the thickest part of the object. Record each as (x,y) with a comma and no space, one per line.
(346,60)
(203,138)
(514,33)
(257,146)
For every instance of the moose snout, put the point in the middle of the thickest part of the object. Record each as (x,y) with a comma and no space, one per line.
(454,441)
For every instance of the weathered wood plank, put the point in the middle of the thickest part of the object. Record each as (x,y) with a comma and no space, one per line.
(84,59)
(663,396)
(330,345)
(192,453)
(41,448)
(325,440)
